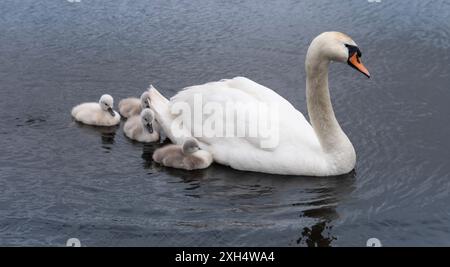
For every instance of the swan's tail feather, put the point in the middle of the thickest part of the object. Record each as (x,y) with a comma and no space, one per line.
(158,102)
(161,107)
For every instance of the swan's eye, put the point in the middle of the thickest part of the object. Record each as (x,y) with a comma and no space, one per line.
(352,50)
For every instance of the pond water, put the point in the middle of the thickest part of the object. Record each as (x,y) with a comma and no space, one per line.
(60,179)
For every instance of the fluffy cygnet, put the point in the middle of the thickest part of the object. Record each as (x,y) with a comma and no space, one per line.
(143,127)
(97,114)
(133,106)
(188,156)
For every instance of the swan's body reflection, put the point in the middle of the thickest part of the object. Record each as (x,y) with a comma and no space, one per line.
(255,200)
(107,134)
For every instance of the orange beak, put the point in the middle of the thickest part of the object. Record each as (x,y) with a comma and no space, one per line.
(356,63)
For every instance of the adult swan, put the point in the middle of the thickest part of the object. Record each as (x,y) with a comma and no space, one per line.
(317,149)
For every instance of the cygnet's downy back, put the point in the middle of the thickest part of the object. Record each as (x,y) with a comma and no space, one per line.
(133,106)
(188,156)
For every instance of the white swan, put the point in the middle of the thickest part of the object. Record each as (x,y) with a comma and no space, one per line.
(143,127)
(317,149)
(97,114)
(188,156)
(133,106)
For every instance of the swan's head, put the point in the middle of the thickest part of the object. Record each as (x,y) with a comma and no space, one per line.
(106,103)
(147,118)
(336,46)
(145,100)
(190,146)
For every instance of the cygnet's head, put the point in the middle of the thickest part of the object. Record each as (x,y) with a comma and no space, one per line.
(106,103)
(147,118)
(190,146)
(145,100)
(336,46)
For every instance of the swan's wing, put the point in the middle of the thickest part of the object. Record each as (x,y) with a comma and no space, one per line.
(161,106)
(244,92)
(292,122)
(258,91)
(242,84)
(209,98)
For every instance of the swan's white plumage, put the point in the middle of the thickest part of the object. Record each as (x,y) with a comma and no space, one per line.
(302,149)
(291,156)
(134,128)
(94,114)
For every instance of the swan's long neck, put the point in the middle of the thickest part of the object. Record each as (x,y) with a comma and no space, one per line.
(332,139)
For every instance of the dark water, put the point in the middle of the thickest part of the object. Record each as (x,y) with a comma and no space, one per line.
(59,179)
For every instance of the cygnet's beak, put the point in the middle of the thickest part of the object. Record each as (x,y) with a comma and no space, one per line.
(355,62)
(111,111)
(147,103)
(149,127)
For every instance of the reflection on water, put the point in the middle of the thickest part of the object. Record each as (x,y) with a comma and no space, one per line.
(317,235)
(323,195)
(107,139)
(107,134)
(60,179)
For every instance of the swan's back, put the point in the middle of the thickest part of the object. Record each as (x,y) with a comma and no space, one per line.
(297,151)
(245,91)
